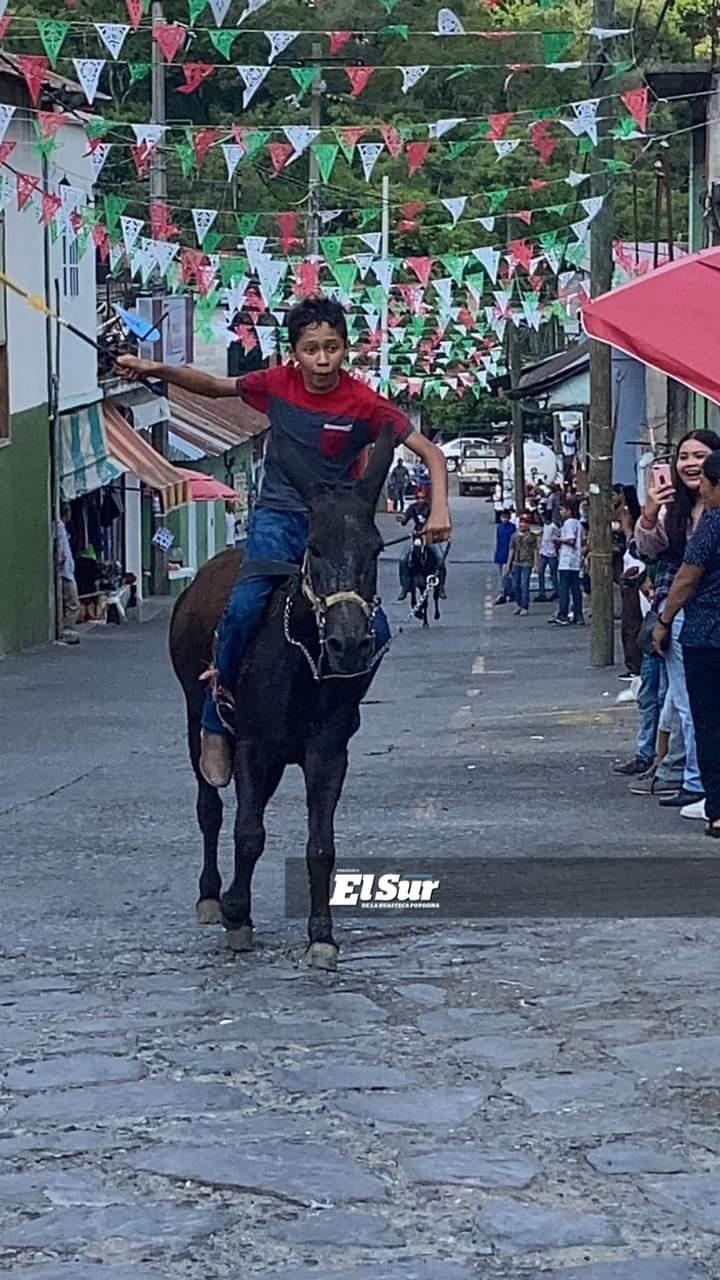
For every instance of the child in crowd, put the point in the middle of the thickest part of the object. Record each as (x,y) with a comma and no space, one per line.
(503,537)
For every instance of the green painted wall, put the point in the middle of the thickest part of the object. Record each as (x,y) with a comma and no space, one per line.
(26,584)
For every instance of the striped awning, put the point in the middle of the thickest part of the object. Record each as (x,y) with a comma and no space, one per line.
(134,454)
(84,455)
(213,426)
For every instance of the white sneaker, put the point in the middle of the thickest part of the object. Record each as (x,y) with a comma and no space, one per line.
(696,810)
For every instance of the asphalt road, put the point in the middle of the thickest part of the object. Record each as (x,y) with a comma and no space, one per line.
(465,1098)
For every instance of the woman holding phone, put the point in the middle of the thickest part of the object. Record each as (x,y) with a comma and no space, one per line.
(671,513)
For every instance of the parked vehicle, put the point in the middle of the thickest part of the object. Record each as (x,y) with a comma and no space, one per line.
(479,470)
(453,449)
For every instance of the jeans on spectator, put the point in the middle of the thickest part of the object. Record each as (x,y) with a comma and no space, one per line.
(653,681)
(505,583)
(569,586)
(679,691)
(672,767)
(551,563)
(521,584)
(273,535)
(702,670)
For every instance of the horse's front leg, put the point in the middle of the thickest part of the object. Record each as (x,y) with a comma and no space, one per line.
(256,779)
(324,778)
(437,604)
(209,809)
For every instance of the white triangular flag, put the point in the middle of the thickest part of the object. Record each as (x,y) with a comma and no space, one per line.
(592,206)
(219,10)
(441,127)
(279,42)
(586,111)
(251,6)
(575,179)
(506,146)
(443,288)
(553,257)
(148,135)
(203,219)
(233,153)
(234,297)
(502,298)
(448,24)
(89,71)
(98,156)
(131,228)
(6,114)
(300,136)
(531,311)
(373,240)
(373,320)
(165,252)
(270,271)
(581,230)
(370,153)
(267,336)
(116,252)
(73,198)
(563,66)
(7,190)
(329,215)
(411,75)
(490,259)
(113,36)
(455,207)
(254,247)
(364,262)
(384,273)
(252,78)
(487,223)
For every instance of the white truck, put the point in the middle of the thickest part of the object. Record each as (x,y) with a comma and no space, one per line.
(479,469)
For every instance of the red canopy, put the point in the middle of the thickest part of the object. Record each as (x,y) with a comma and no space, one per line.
(206,488)
(668,319)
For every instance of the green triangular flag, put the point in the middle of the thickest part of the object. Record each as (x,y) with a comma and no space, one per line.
(83,242)
(462,71)
(52,32)
(367,216)
(304,77)
(626,128)
(547,113)
(186,156)
(456,149)
(456,265)
(555,44)
(212,241)
(400,29)
(575,254)
(224,41)
(115,206)
(332,247)
(346,273)
(484,128)
(377,296)
(231,269)
(347,148)
(246,224)
(195,8)
(559,209)
(586,145)
(255,139)
(498,198)
(326,154)
(616,166)
(620,68)
(138,71)
(44,146)
(97,128)
(389,5)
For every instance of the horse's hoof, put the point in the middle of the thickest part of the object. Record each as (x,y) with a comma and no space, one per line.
(241,939)
(322,955)
(209,911)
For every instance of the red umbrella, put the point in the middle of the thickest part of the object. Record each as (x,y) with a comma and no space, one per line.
(206,488)
(668,319)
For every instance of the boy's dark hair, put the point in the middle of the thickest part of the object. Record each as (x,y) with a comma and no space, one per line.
(312,311)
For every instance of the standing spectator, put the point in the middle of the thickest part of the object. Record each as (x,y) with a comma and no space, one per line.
(696,593)
(568,442)
(503,537)
(669,517)
(548,558)
(230,524)
(397,483)
(553,503)
(65,563)
(570,558)
(521,560)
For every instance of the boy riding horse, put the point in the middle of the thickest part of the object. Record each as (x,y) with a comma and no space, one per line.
(322,418)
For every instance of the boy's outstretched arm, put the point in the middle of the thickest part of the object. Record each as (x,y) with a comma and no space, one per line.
(194,380)
(439,524)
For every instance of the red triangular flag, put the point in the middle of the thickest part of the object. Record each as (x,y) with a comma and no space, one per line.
(338,40)
(4,24)
(521,251)
(76,222)
(498,125)
(417,153)
(307,280)
(161,224)
(27,185)
(413,208)
(136,11)
(358,77)
(6,148)
(141,156)
(280,153)
(540,140)
(195,73)
(352,133)
(537,184)
(203,140)
(34,67)
(422,268)
(287,226)
(636,101)
(49,122)
(190,260)
(50,205)
(392,140)
(102,241)
(205,276)
(170,36)
(525,215)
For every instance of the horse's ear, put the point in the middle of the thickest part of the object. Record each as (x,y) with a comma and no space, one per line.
(382,455)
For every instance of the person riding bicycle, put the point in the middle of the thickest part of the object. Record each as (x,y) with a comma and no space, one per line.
(418,512)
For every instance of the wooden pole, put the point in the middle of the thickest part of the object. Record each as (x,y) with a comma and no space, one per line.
(518,444)
(602,643)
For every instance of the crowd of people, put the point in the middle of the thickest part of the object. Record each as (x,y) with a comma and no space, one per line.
(550,538)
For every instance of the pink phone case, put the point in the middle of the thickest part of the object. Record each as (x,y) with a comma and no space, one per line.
(662,474)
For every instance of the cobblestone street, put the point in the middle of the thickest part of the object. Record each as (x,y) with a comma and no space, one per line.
(461,1101)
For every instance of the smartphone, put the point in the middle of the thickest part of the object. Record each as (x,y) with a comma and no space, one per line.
(661,475)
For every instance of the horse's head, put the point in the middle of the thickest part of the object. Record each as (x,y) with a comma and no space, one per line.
(339,576)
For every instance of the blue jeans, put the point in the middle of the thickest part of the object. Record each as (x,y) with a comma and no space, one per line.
(570,586)
(653,688)
(521,584)
(551,563)
(678,688)
(505,582)
(273,535)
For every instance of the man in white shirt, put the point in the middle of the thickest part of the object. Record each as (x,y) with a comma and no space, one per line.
(548,557)
(570,551)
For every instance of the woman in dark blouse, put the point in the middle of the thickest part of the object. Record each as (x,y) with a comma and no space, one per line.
(696,588)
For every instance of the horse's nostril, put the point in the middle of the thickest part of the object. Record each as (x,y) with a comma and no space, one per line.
(335,645)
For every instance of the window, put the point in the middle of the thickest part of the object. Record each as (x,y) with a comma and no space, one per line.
(70,266)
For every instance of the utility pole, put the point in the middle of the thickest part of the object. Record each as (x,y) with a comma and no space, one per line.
(518,443)
(315,189)
(385,317)
(602,641)
(158,192)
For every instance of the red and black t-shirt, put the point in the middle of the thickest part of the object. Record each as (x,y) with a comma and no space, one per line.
(324,433)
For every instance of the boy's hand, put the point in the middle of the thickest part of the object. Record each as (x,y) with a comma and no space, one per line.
(438,527)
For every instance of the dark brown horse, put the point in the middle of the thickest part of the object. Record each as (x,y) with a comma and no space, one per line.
(298,693)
